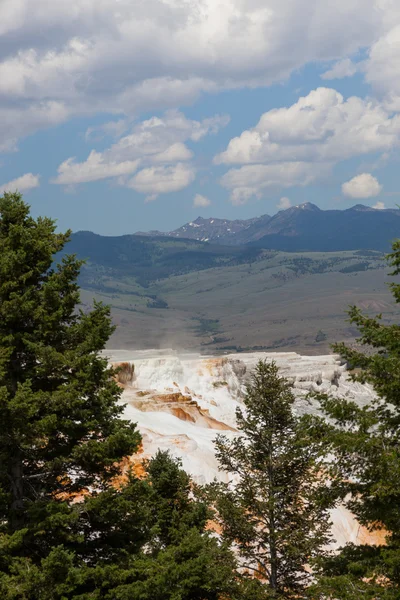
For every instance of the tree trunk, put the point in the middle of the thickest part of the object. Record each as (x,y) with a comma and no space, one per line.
(17,489)
(273,580)
(16,470)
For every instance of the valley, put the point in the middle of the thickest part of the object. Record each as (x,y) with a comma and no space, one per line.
(267,283)
(278,302)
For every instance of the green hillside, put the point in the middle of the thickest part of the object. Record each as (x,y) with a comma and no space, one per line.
(196,296)
(150,258)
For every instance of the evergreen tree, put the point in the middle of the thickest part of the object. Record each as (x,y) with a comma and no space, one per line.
(274,510)
(367,447)
(67,531)
(144,541)
(61,430)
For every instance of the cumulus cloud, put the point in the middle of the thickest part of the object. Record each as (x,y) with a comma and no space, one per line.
(162,180)
(173,153)
(21,184)
(201,201)
(114,129)
(342,68)
(157,54)
(382,65)
(321,126)
(379,205)
(156,142)
(253,180)
(309,137)
(126,58)
(24,118)
(283,203)
(94,168)
(364,185)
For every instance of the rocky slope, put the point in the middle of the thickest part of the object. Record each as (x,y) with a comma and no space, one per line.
(214,230)
(299,228)
(181,402)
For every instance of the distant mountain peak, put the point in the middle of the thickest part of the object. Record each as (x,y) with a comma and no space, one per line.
(211,220)
(219,231)
(304,227)
(307,206)
(361,207)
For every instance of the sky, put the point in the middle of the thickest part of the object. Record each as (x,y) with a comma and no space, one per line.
(119,116)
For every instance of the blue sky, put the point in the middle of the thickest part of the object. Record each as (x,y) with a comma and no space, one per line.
(123,115)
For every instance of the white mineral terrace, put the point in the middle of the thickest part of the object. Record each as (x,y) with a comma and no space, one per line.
(182,401)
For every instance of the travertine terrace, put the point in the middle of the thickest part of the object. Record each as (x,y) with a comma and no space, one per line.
(182,401)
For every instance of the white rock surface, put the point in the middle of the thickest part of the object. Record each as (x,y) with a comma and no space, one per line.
(210,389)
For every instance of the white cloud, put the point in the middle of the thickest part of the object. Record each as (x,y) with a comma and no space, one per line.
(127,57)
(162,180)
(21,184)
(382,65)
(155,141)
(379,205)
(201,201)
(253,180)
(135,56)
(342,68)
(283,203)
(112,128)
(321,126)
(174,153)
(299,144)
(364,185)
(24,118)
(96,167)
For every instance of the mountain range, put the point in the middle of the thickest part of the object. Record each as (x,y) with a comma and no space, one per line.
(300,228)
(281,282)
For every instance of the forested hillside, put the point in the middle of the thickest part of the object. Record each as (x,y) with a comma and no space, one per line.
(195,295)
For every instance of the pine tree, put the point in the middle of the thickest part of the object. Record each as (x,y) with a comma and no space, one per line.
(367,447)
(144,541)
(60,428)
(67,531)
(274,510)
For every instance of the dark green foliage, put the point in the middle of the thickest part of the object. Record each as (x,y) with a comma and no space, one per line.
(359,572)
(321,336)
(362,266)
(276,511)
(67,531)
(157,303)
(149,258)
(207,326)
(367,446)
(146,541)
(60,422)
